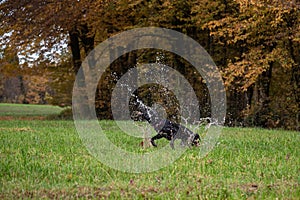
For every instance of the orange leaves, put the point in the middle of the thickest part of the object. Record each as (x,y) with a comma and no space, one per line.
(244,72)
(264,34)
(241,74)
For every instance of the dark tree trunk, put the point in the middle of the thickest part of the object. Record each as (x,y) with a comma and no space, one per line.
(263,98)
(296,81)
(87,39)
(237,103)
(23,89)
(75,49)
(81,34)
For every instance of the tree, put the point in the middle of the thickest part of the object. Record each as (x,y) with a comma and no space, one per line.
(254,43)
(267,36)
(38,26)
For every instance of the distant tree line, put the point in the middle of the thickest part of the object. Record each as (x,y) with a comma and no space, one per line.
(18,90)
(255,44)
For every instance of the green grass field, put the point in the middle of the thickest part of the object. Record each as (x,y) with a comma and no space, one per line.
(26,110)
(46,159)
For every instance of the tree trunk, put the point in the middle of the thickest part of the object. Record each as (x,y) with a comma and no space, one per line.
(296,82)
(263,98)
(22,88)
(82,101)
(75,49)
(87,39)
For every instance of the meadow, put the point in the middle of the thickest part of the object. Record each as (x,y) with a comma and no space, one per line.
(42,158)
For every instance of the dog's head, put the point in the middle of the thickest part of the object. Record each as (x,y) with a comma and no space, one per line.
(196,140)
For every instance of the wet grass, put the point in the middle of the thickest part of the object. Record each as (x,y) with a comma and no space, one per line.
(46,159)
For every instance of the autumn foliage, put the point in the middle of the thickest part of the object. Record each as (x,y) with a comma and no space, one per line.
(255,44)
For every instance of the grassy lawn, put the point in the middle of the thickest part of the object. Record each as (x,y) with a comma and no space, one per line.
(46,159)
(25,110)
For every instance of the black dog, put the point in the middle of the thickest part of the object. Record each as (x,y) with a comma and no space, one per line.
(167,129)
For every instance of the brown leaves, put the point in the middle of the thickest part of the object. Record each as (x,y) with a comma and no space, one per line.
(41,24)
(245,72)
(260,33)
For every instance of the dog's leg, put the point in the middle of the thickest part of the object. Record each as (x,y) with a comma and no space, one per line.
(174,136)
(172,143)
(183,143)
(158,136)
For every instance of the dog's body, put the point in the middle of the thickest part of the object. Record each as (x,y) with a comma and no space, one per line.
(168,129)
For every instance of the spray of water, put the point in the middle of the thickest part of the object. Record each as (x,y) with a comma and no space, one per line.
(100,58)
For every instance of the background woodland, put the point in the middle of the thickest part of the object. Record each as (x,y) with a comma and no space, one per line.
(254,43)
